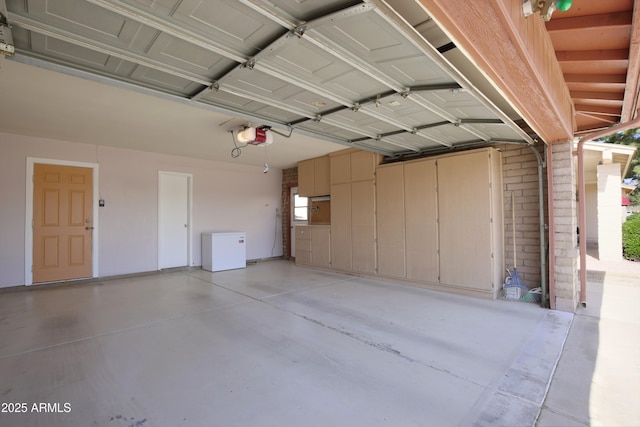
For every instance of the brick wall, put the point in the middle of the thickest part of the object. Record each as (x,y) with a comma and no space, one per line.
(289,179)
(520,180)
(565,212)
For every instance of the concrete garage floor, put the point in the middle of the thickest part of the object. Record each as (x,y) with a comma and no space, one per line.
(271,345)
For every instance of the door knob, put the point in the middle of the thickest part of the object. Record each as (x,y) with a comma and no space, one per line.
(89,228)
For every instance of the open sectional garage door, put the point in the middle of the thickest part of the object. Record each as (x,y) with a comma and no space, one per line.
(351,72)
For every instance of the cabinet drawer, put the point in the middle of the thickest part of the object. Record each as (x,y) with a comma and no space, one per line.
(303,233)
(303,257)
(303,245)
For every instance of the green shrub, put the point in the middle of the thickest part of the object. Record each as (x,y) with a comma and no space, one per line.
(631,237)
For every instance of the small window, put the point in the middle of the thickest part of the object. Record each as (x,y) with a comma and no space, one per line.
(300,208)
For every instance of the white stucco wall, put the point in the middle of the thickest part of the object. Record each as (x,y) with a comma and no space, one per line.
(592,212)
(609,219)
(226,196)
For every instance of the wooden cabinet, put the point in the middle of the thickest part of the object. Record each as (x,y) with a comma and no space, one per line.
(353,242)
(421,218)
(306,178)
(341,225)
(390,221)
(313,245)
(313,177)
(353,165)
(340,168)
(439,221)
(470,213)
(363,227)
(408,221)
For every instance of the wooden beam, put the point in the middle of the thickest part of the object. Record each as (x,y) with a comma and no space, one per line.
(632,91)
(598,109)
(604,119)
(591,128)
(593,55)
(595,78)
(606,96)
(517,57)
(602,21)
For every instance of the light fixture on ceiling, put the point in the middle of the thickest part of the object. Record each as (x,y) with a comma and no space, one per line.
(545,7)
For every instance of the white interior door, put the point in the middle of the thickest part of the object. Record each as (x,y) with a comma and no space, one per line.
(299,212)
(173,219)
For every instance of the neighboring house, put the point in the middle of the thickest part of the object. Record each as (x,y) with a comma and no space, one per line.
(605,167)
(144,94)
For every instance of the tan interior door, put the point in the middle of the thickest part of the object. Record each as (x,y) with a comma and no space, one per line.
(62,222)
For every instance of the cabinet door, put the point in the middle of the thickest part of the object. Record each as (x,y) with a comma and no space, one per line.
(340,169)
(322,187)
(464,200)
(320,246)
(363,166)
(303,244)
(390,201)
(341,227)
(421,216)
(306,178)
(363,227)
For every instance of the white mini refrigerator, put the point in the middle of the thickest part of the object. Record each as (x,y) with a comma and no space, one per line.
(224,250)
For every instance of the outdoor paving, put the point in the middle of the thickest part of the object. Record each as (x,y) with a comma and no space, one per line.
(597,381)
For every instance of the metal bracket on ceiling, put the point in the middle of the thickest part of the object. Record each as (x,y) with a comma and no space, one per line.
(355,107)
(405,94)
(299,31)
(250,63)
(317,118)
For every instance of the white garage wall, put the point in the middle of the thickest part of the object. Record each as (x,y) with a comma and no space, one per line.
(226,197)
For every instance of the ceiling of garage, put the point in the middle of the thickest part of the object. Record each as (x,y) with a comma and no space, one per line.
(349,72)
(174,76)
